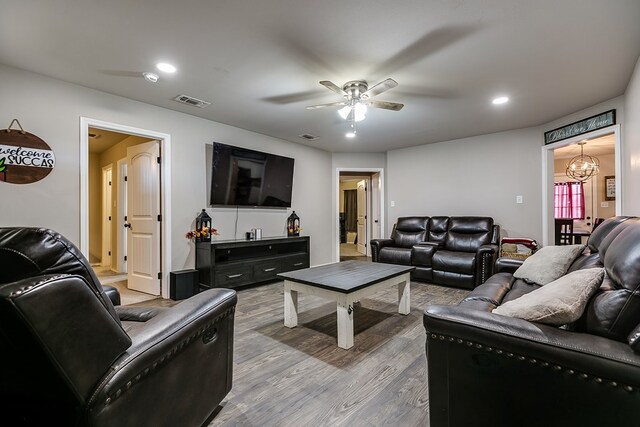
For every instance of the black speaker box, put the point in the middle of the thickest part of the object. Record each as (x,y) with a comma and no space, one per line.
(183,284)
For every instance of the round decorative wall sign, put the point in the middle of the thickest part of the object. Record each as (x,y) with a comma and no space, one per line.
(24,158)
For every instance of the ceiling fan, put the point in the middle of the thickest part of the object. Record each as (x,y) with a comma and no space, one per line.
(357,97)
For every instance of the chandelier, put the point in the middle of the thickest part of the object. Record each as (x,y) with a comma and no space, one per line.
(584,166)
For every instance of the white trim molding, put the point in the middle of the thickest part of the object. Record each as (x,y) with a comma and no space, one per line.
(548,174)
(165,188)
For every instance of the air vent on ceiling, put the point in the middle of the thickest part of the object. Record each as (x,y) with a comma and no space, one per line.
(94,136)
(190,100)
(309,137)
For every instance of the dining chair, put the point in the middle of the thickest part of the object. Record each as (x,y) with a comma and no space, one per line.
(564,231)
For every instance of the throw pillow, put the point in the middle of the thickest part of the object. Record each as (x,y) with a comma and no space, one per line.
(548,264)
(559,302)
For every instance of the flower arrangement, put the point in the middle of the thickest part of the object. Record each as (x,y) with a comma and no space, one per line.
(204,233)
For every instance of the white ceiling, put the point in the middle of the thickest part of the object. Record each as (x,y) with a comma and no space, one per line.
(259,62)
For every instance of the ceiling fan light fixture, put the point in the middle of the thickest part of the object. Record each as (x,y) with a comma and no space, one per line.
(360,111)
(344,112)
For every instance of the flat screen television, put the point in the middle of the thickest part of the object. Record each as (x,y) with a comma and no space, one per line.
(243,177)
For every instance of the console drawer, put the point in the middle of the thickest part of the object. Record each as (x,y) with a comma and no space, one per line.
(228,277)
(266,270)
(296,262)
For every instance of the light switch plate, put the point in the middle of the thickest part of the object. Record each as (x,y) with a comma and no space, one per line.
(393,203)
(604,204)
(519,199)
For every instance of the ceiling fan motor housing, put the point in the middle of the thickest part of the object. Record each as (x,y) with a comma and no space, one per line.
(355,88)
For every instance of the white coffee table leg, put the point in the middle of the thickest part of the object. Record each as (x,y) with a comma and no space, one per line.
(290,306)
(345,323)
(404,296)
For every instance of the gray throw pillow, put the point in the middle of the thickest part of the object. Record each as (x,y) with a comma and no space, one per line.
(558,303)
(548,264)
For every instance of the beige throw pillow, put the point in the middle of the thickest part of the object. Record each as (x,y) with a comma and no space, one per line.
(548,264)
(558,303)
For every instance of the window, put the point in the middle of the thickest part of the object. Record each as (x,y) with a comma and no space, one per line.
(568,200)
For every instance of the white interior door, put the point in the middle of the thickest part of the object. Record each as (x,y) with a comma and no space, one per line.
(362,217)
(120,216)
(143,221)
(107,174)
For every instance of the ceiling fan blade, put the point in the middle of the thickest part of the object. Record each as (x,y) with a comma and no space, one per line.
(333,87)
(332,104)
(380,87)
(385,105)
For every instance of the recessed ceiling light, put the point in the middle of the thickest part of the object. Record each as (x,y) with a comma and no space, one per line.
(165,67)
(350,134)
(150,77)
(500,100)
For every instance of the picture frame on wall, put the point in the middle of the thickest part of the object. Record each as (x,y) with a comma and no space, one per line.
(610,187)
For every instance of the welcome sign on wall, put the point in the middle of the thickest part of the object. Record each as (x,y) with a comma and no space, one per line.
(24,158)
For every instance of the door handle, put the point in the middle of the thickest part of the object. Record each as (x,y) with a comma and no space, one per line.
(375,220)
(128,225)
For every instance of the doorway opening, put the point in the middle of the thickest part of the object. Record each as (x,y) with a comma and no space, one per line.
(584,203)
(124,208)
(359,212)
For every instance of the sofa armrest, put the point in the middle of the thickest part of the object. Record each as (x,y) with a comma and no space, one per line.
(583,353)
(422,253)
(377,245)
(113,294)
(507,265)
(188,347)
(485,262)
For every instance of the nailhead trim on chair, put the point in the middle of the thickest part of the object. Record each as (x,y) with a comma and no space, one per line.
(168,355)
(556,368)
(41,282)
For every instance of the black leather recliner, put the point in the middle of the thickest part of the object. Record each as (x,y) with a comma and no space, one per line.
(453,251)
(68,357)
(488,370)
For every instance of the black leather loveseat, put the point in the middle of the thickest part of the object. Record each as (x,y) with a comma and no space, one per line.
(456,251)
(69,357)
(485,369)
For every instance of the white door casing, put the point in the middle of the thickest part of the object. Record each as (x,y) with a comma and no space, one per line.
(143,210)
(362,217)
(376,230)
(120,216)
(107,174)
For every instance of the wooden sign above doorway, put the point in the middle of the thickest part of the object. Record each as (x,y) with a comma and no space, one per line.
(24,157)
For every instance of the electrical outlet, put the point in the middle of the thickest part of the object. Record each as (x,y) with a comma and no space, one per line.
(519,199)
(604,204)
(393,204)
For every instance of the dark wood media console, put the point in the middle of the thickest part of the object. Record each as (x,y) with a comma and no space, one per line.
(233,263)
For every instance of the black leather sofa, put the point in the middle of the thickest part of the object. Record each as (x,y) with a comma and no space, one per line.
(455,251)
(490,370)
(69,357)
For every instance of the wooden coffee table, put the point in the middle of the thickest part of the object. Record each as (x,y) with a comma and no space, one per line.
(345,282)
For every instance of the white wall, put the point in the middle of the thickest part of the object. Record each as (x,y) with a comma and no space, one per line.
(482,175)
(472,176)
(52,109)
(631,138)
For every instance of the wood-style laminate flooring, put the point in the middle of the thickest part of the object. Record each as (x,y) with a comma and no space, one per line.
(299,377)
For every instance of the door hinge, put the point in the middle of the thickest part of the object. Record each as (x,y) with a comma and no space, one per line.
(109,253)
(160,275)
(125,177)
(125,257)
(125,217)
(109,217)
(158,159)
(159,217)
(109,183)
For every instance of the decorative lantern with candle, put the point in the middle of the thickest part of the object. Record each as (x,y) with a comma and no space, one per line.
(203,227)
(293,225)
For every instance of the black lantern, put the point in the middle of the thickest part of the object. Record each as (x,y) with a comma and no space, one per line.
(293,225)
(203,227)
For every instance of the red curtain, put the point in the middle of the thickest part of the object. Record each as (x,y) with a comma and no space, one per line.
(569,200)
